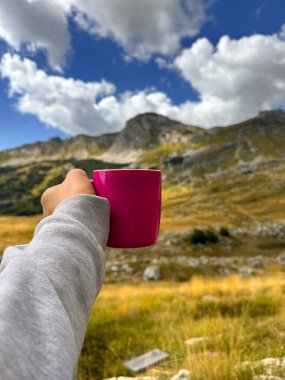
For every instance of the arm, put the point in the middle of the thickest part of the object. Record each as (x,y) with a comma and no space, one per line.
(47,290)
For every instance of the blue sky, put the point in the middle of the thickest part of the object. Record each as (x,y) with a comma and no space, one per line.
(54,62)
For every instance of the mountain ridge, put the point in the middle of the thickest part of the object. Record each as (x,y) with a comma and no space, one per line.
(235,156)
(140,133)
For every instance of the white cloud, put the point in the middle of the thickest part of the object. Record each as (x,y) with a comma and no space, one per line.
(235,79)
(74,106)
(140,27)
(38,24)
(282,32)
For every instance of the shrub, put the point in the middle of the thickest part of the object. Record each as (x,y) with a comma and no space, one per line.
(211,236)
(224,231)
(202,237)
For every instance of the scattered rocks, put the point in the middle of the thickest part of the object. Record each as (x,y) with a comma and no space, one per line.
(246,272)
(270,229)
(267,377)
(183,374)
(151,273)
(268,365)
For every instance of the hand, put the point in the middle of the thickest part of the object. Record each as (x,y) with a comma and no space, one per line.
(76,182)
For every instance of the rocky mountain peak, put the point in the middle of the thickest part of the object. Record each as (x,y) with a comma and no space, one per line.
(272,114)
(145,131)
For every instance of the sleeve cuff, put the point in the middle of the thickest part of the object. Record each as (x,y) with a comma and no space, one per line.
(90,210)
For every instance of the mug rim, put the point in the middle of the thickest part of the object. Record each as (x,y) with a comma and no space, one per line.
(142,170)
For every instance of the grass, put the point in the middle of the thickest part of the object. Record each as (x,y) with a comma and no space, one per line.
(245,323)
(16,230)
(156,156)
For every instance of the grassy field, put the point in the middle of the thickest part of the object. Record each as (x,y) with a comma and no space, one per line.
(246,322)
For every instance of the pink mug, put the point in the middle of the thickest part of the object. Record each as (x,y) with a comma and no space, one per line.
(135,205)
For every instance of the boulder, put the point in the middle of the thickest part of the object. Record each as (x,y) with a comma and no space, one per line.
(281,258)
(183,374)
(151,273)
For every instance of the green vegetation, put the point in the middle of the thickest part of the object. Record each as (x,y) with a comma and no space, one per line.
(224,231)
(21,187)
(202,237)
(159,155)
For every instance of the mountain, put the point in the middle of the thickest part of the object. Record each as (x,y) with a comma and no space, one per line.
(79,147)
(141,133)
(245,146)
(235,160)
(145,132)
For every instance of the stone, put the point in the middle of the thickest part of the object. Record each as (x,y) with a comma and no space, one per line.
(223,272)
(272,362)
(245,272)
(266,363)
(193,262)
(281,258)
(146,360)
(196,340)
(151,273)
(257,262)
(267,377)
(126,268)
(183,374)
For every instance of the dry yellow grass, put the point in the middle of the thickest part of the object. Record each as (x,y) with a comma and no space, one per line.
(16,230)
(245,323)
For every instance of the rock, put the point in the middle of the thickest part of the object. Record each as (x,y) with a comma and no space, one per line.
(268,364)
(267,377)
(246,272)
(146,360)
(151,273)
(114,268)
(183,374)
(240,232)
(196,340)
(126,268)
(172,242)
(257,262)
(281,258)
(209,298)
(223,272)
(272,362)
(270,229)
(193,262)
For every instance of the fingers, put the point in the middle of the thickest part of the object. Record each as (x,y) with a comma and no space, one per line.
(76,182)
(76,174)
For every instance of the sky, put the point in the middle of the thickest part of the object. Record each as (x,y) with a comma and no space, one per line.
(71,67)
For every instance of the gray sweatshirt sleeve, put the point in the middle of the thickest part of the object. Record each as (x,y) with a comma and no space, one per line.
(47,289)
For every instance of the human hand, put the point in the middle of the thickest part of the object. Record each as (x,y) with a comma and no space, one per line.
(76,182)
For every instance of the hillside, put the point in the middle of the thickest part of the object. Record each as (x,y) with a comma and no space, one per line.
(223,166)
(140,134)
(227,181)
